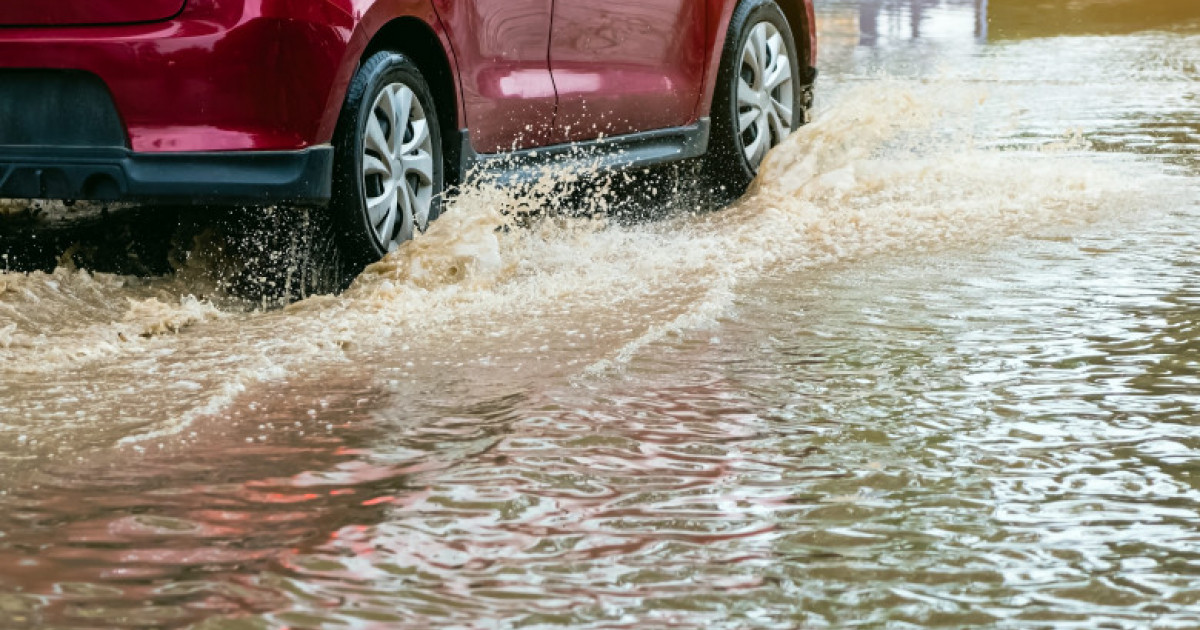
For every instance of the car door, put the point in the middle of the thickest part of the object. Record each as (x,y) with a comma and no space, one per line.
(502,48)
(622,66)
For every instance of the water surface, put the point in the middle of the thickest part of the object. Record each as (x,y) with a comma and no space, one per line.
(940,369)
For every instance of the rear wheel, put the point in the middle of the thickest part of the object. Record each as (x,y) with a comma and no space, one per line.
(758,101)
(389,169)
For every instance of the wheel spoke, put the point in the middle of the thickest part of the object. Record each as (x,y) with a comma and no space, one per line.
(747,119)
(387,227)
(375,166)
(750,59)
(386,104)
(757,149)
(420,163)
(407,213)
(402,99)
(780,128)
(775,50)
(760,43)
(746,95)
(404,235)
(765,134)
(378,207)
(422,202)
(420,136)
(376,139)
(780,73)
(783,112)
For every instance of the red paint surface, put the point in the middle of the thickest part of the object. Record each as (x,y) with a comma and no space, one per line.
(623,66)
(226,75)
(504,74)
(46,12)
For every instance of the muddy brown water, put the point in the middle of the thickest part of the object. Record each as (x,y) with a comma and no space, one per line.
(940,369)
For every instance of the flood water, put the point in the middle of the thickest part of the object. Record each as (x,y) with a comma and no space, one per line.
(940,369)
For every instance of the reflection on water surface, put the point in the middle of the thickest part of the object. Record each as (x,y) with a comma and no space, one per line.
(1019,19)
(941,370)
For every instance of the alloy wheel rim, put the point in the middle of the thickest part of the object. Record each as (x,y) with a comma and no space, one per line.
(397,166)
(765,93)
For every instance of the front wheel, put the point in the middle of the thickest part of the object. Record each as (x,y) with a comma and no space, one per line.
(389,169)
(758,101)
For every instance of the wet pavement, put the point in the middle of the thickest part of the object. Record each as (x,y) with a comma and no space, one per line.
(940,369)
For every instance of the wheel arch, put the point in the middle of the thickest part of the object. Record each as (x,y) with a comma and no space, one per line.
(411,28)
(800,17)
(417,40)
(799,14)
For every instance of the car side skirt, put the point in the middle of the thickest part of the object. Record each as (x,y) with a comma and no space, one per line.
(616,153)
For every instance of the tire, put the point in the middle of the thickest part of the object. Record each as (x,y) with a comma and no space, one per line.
(728,168)
(365,137)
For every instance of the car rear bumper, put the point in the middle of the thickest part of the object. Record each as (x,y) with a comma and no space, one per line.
(221,76)
(116,174)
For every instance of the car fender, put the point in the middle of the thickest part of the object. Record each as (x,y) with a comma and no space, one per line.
(800,15)
(368,18)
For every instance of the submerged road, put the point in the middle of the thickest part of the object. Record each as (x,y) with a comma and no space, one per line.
(941,368)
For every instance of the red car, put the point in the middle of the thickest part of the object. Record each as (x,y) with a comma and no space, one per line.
(374,107)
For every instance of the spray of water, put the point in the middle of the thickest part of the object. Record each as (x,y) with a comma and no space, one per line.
(886,168)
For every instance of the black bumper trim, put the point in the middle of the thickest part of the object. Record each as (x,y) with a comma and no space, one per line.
(613,153)
(116,174)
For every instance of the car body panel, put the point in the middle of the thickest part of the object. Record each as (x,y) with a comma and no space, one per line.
(624,66)
(501,46)
(272,75)
(86,12)
(222,76)
(365,20)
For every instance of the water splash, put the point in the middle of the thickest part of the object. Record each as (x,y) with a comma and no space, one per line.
(878,172)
